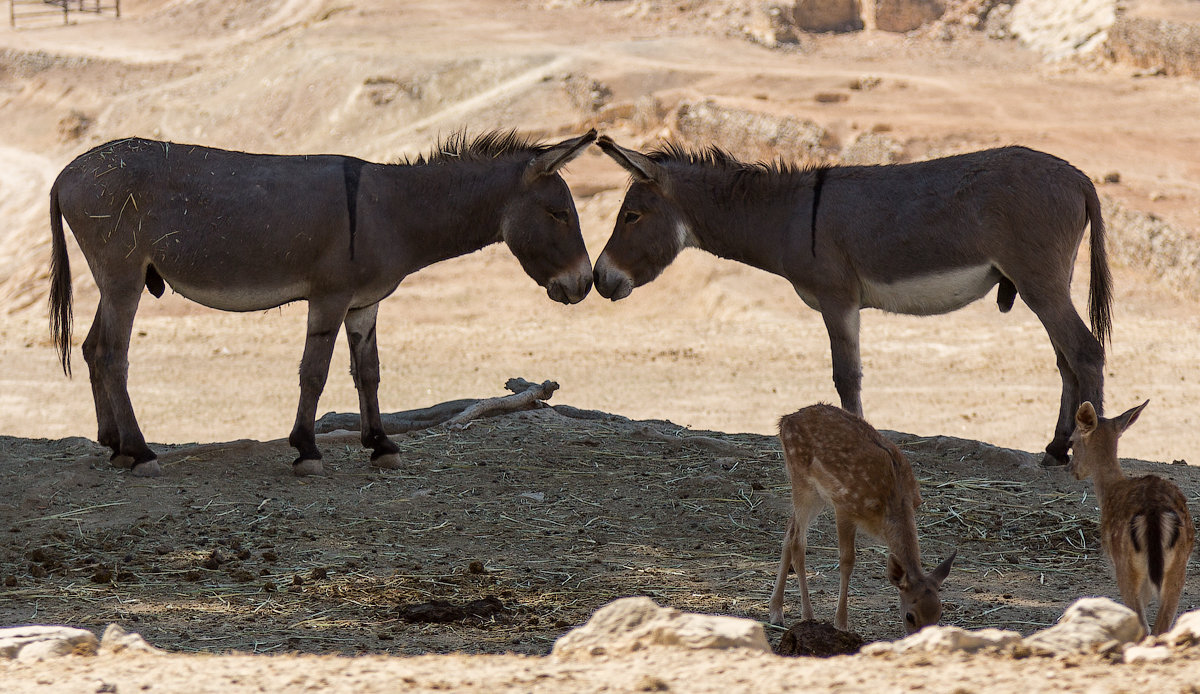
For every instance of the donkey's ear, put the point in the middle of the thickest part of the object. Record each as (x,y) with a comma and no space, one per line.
(1123,420)
(549,162)
(1086,420)
(643,168)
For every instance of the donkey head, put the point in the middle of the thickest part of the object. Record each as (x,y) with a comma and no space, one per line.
(651,227)
(541,227)
(1094,442)
(920,595)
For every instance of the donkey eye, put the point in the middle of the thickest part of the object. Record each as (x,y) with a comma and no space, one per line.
(632,217)
(560,215)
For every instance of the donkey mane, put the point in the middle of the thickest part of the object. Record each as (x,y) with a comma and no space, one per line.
(748,179)
(493,144)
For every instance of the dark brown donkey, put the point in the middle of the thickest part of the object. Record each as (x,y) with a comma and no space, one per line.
(922,239)
(245,232)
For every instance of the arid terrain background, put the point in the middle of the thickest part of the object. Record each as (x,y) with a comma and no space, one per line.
(555,516)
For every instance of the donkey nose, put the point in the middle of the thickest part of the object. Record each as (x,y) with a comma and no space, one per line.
(571,288)
(610,282)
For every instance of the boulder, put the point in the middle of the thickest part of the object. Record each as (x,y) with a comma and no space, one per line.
(1060,29)
(1170,47)
(1090,625)
(634,624)
(117,640)
(42,642)
(903,15)
(1186,631)
(827,15)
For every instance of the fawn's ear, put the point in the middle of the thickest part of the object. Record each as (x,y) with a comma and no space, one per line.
(943,570)
(1086,420)
(896,573)
(1128,417)
(641,167)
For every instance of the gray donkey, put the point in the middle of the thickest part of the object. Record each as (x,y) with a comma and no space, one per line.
(246,232)
(923,238)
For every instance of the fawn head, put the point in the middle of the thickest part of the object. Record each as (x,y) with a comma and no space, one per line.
(920,595)
(1094,442)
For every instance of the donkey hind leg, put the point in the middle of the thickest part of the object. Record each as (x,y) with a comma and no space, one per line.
(842,324)
(1069,402)
(324,319)
(106,350)
(364,368)
(1080,359)
(106,425)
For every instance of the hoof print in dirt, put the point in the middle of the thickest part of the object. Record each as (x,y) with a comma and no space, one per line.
(819,640)
(440,611)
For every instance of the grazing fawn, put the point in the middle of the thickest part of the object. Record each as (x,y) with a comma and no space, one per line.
(835,458)
(1145,526)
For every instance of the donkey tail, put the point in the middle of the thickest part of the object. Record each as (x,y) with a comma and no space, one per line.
(1100,293)
(60,285)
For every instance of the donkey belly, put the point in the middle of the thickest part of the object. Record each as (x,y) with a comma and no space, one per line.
(235,296)
(931,294)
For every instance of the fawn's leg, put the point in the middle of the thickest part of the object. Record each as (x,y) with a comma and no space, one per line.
(845,532)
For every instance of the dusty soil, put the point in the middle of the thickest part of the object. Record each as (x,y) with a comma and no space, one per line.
(552,516)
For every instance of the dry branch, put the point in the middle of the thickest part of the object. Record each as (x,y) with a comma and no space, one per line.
(526,396)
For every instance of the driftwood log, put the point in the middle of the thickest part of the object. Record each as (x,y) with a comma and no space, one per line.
(525,396)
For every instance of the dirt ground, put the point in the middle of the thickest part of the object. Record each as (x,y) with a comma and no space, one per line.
(550,515)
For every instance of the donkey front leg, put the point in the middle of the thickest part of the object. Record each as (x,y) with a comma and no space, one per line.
(324,319)
(841,322)
(364,368)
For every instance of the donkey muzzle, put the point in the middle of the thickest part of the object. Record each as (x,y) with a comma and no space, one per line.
(612,283)
(571,287)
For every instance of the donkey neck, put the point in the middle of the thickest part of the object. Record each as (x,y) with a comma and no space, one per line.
(750,217)
(441,211)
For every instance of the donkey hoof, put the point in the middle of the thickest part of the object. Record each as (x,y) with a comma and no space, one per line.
(387,461)
(147,468)
(306,467)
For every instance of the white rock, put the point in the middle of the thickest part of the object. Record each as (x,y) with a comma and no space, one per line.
(1061,28)
(632,624)
(935,639)
(1089,625)
(1146,654)
(41,642)
(1186,630)
(117,640)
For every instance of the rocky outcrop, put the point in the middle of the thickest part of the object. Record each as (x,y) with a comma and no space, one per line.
(902,15)
(633,624)
(1156,45)
(1060,29)
(750,135)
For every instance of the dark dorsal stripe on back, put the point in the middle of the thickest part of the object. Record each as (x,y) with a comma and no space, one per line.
(352,174)
(818,183)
